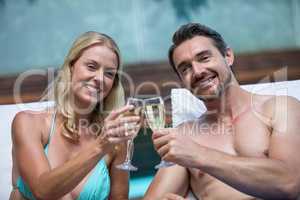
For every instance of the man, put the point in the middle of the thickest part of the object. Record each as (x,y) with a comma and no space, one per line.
(244,147)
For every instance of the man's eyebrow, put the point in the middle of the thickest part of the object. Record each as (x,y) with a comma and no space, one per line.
(199,54)
(204,53)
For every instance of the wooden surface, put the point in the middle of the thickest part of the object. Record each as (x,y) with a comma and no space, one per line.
(249,68)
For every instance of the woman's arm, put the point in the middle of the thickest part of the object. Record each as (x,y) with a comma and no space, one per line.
(14,194)
(119,178)
(33,164)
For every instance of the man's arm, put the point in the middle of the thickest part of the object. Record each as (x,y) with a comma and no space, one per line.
(172,179)
(276,177)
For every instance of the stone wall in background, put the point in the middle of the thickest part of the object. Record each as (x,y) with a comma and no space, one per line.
(37,34)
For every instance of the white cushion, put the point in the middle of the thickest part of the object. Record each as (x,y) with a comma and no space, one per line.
(185,106)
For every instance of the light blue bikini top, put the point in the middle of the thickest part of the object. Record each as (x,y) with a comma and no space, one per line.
(97,186)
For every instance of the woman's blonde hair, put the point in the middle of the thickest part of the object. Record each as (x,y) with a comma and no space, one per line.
(59,91)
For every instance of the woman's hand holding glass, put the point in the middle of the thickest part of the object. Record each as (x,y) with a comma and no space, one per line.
(115,129)
(132,130)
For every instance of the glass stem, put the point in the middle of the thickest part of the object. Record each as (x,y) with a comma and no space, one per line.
(129,150)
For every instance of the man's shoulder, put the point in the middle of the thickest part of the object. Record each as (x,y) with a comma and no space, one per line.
(280,102)
(282,110)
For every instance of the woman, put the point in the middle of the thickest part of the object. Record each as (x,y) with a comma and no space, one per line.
(70,151)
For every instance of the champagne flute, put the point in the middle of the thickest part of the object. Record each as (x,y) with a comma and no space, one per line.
(136,111)
(155,114)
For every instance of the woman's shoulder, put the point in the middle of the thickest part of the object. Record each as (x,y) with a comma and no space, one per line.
(31,122)
(30,117)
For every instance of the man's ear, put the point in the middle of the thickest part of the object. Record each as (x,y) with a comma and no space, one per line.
(229,56)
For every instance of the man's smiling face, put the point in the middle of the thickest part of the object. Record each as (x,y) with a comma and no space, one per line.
(202,68)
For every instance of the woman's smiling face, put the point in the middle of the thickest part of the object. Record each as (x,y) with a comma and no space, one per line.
(93,74)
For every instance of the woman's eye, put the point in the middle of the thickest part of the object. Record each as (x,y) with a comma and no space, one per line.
(109,74)
(91,67)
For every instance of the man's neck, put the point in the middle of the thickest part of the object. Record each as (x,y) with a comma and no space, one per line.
(232,101)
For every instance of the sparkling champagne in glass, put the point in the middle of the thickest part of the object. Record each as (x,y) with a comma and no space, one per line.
(155,114)
(136,111)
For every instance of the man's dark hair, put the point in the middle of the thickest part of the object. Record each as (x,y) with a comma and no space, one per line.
(190,30)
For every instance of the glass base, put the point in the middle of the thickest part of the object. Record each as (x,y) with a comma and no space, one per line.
(164,164)
(127,166)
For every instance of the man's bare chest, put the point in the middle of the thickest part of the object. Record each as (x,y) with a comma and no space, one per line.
(248,138)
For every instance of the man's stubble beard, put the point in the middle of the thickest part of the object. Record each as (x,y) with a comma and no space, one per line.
(221,88)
